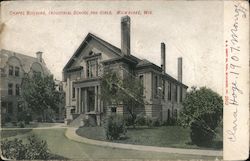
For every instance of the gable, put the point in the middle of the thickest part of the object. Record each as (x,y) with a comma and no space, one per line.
(92,45)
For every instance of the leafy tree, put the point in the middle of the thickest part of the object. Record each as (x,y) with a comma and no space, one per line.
(126,91)
(202,112)
(40,94)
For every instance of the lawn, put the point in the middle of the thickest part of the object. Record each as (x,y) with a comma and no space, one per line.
(165,136)
(61,146)
(31,125)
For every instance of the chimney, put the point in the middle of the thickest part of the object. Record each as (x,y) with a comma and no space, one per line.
(180,69)
(163,58)
(39,56)
(125,35)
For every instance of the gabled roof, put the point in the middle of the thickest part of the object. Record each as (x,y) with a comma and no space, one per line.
(84,43)
(121,57)
(25,60)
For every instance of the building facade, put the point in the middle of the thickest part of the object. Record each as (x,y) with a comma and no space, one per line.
(83,73)
(13,68)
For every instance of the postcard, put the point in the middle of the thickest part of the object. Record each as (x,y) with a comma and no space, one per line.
(124,80)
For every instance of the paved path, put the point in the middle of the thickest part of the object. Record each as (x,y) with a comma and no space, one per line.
(71,134)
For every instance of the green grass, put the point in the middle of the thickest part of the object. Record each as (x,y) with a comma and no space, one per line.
(61,146)
(11,133)
(165,136)
(31,125)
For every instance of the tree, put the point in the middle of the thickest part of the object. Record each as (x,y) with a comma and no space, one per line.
(127,91)
(202,112)
(40,94)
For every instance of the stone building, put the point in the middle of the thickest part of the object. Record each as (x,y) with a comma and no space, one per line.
(83,73)
(13,68)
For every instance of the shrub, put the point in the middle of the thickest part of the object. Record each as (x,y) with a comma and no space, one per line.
(115,127)
(140,120)
(156,122)
(21,124)
(149,121)
(200,135)
(129,120)
(34,149)
(39,119)
(202,112)
(13,149)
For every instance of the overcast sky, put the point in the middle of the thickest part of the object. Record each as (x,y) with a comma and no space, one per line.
(190,29)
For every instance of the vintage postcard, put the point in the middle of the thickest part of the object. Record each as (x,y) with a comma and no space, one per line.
(124,80)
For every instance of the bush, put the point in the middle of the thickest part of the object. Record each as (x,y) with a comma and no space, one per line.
(200,135)
(202,112)
(115,127)
(39,119)
(129,120)
(156,122)
(149,121)
(34,149)
(13,149)
(21,124)
(140,120)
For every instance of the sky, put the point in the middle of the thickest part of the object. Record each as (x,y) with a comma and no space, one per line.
(192,30)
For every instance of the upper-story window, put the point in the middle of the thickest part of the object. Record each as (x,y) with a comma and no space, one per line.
(17,69)
(10,89)
(176,93)
(92,68)
(141,81)
(169,91)
(17,89)
(156,85)
(73,92)
(163,89)
(10,70)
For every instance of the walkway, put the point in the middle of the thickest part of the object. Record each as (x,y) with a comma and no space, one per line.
(71,134)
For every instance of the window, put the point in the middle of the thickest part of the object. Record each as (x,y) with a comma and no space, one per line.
(113,109)
(10,88)
(17,71)
(156,85)
(10,70)
(141,81)
(92,68)
(17,89)
(176,93)
(163,89)
(169,91)
(73,92)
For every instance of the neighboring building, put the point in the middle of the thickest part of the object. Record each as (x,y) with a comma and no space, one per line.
(82,75)
(13,67)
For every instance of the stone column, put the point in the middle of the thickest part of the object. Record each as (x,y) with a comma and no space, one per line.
(96,97)
(85,100)
(77,100)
